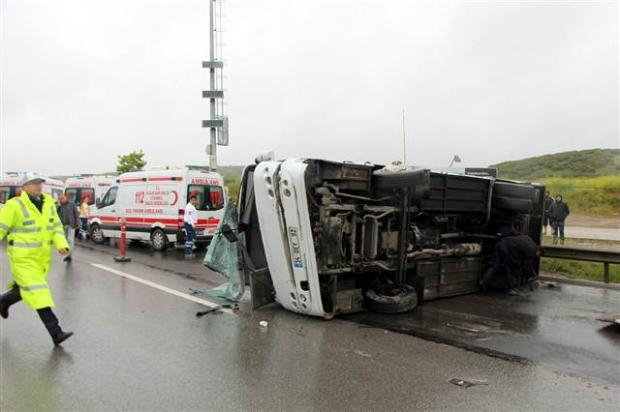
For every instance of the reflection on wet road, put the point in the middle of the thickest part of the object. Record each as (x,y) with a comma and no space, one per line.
(556,327)
(141,348)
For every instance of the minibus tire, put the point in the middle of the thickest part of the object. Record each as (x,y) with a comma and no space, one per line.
(399,299)
(418,180)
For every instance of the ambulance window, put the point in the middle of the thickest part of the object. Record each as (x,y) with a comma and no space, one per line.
(209,197)
(71,195)
(91,196)
(5,193)
(110,197)
(77,195)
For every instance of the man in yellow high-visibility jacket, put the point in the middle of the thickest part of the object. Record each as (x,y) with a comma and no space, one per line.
(31,224)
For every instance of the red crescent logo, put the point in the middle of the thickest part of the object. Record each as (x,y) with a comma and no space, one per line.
(176,198)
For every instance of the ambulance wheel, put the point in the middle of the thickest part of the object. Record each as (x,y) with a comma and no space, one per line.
(159,240)
(96,234)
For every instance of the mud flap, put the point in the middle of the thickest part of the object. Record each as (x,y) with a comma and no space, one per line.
(261,288)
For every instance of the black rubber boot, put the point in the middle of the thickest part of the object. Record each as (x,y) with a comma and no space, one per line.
(7,299)
(51,324)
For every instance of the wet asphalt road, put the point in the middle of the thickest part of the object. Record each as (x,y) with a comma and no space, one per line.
(139,348)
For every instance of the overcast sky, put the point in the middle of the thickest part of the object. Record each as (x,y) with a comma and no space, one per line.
(84,81)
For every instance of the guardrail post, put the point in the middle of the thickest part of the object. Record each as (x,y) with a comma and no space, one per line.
(606,272)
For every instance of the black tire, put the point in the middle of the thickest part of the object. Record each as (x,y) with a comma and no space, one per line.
(96,234)
(391,299)
(388,181)
(515,190)
(159,240)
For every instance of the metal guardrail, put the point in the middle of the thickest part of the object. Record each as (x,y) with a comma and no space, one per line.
(606,257)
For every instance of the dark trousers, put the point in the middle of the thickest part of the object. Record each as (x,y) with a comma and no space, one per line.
(47,316)
(498,265)
(83,231)
(558,229)
(190,235)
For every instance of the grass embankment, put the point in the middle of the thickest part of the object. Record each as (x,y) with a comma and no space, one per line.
(594,196)
(574,269)
(580,163)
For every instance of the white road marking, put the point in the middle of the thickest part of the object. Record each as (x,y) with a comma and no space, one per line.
(160,287)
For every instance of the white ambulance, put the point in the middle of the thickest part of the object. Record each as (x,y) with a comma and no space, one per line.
(80,187)
(11,186)
(152,203)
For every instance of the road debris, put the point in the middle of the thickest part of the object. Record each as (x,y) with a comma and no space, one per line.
(467,383)
(215,310)
(263,323)
(364,354)
(463,328)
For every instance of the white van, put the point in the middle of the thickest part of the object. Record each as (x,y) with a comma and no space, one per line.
(153,203)
(11,186)
(78,187)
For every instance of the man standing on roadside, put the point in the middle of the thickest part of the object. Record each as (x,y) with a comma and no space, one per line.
(70,219)
(31,224)
(190,220)
(559,213)
(548,204)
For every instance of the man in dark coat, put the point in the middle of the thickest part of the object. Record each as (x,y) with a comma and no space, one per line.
(70,218)
(558,214)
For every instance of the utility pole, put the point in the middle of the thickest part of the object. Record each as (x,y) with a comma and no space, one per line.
(217,123)
(404,142)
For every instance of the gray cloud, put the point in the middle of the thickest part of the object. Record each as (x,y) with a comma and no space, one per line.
(85,81)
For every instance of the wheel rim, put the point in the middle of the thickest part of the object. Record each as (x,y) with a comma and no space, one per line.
(97,234)
(158,240)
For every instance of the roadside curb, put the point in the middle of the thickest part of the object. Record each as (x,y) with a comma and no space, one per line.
(579,282)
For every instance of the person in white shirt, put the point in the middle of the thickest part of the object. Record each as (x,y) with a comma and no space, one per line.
(190,220)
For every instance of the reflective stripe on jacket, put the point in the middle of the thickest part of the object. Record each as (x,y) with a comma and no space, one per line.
(30,236)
